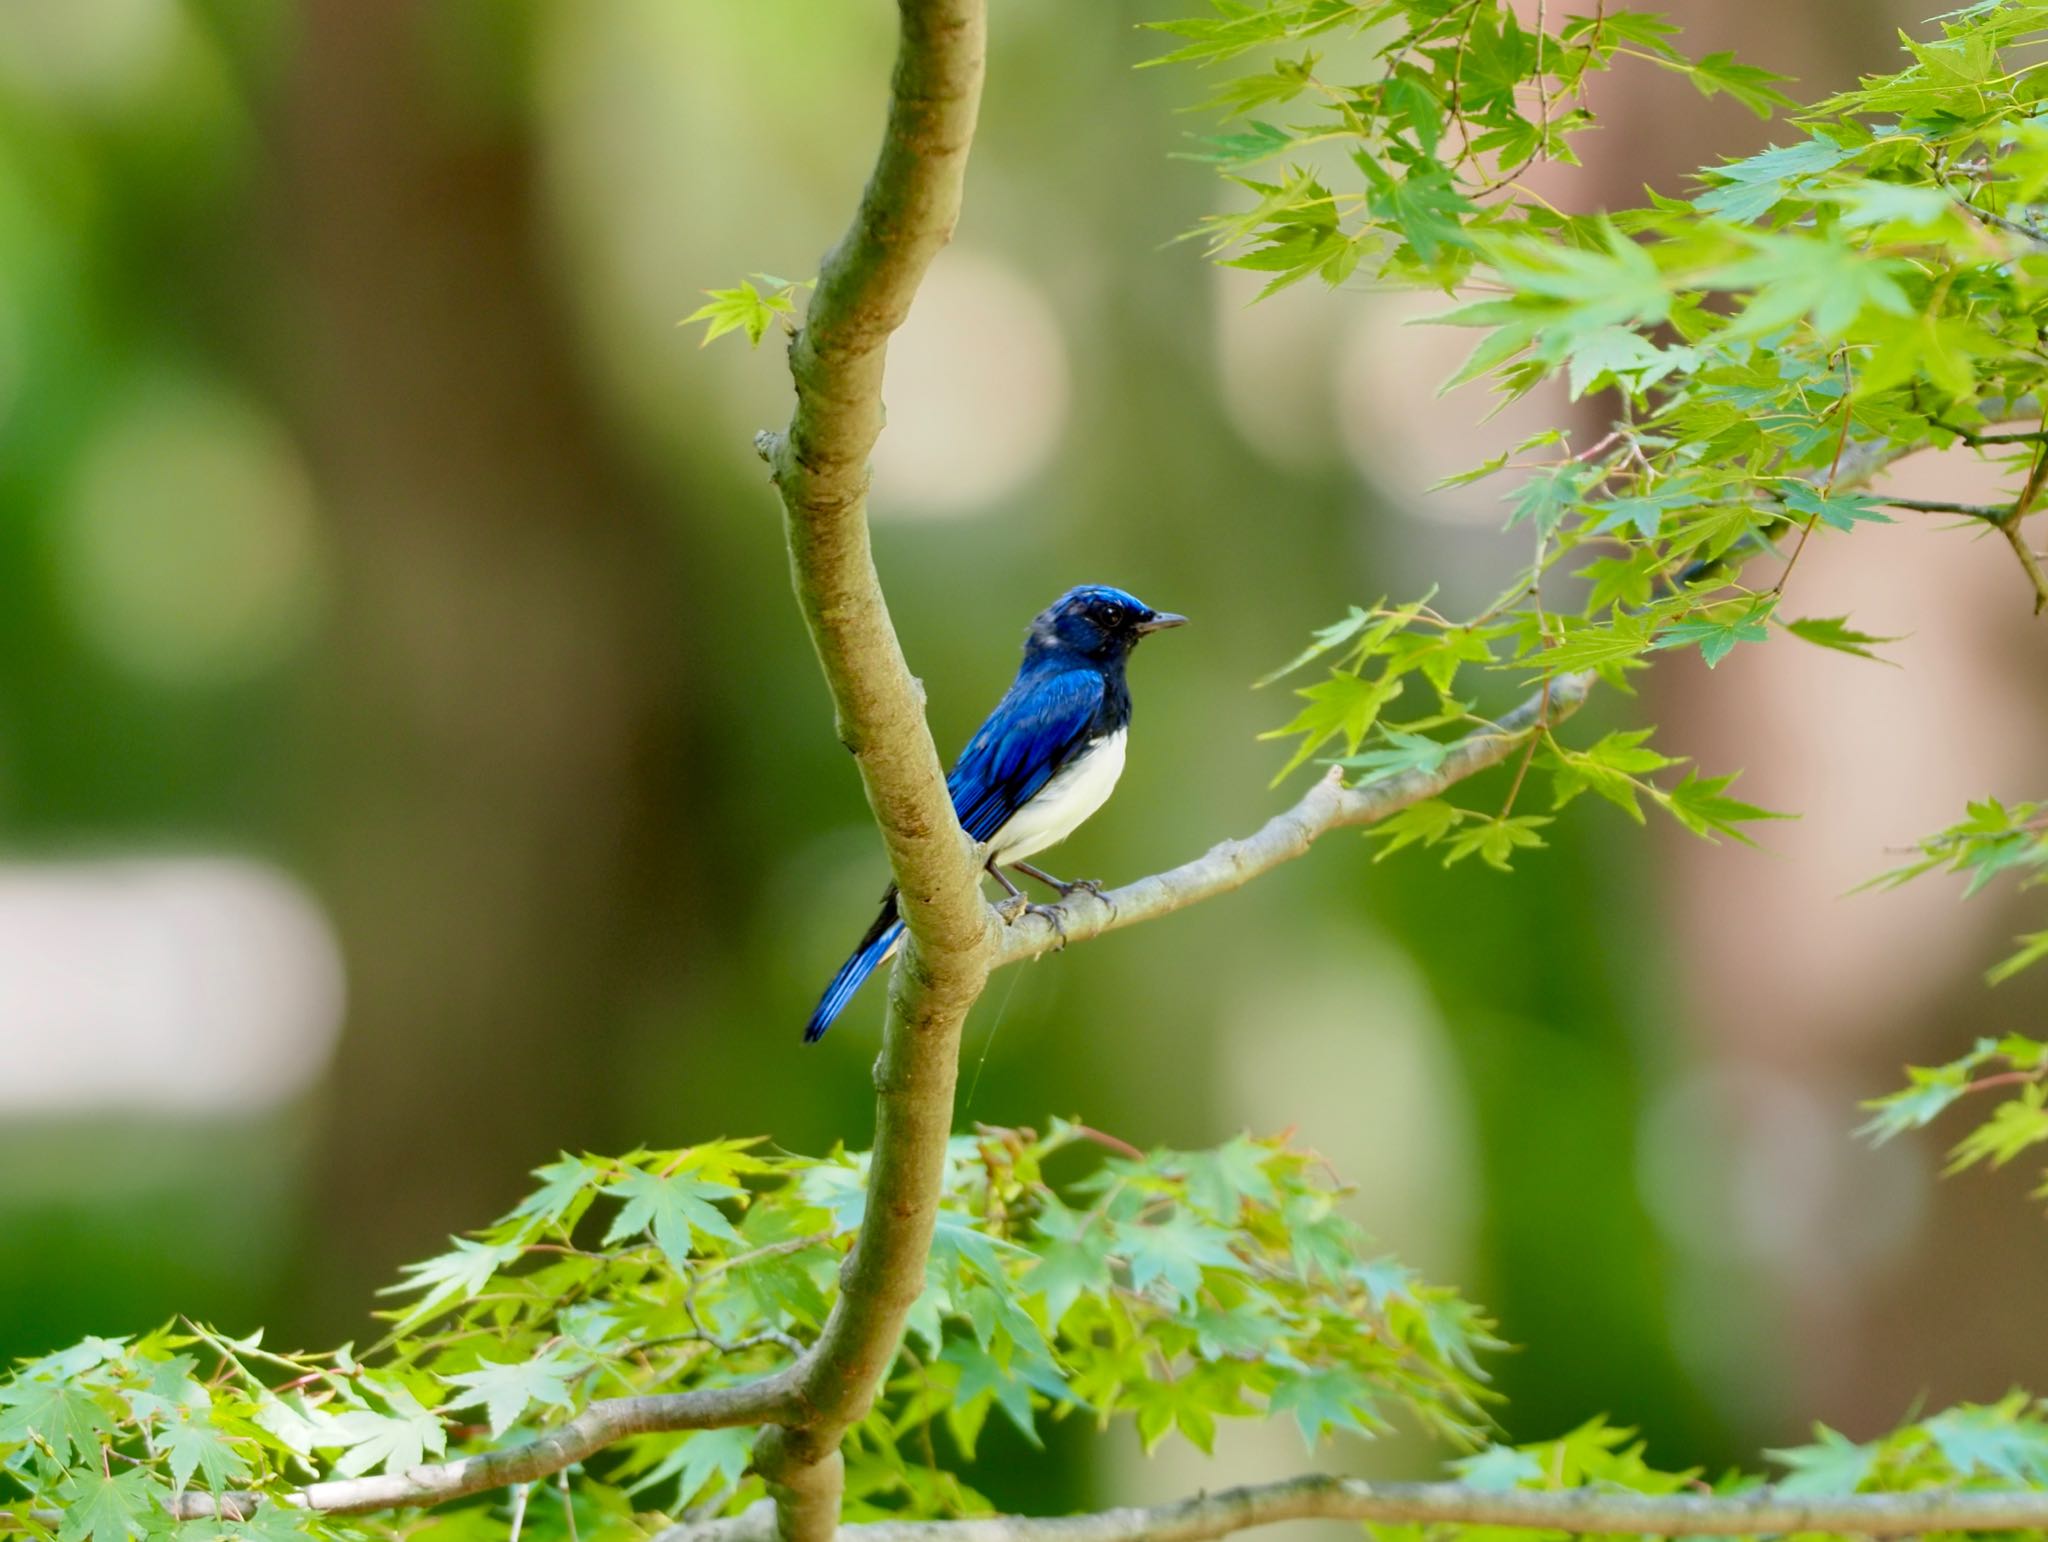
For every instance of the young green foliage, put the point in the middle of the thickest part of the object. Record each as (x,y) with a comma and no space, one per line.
(1873,284)
(1992,840)
(750,306)
(2015,1067)
(1176,1288)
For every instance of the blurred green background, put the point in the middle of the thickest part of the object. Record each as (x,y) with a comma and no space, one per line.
(411,763)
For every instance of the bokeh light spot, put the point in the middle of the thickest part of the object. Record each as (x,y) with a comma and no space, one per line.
(188,547)
(86,52)
(977,391)
(174,985)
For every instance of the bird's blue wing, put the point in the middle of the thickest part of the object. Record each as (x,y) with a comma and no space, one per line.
(1035,729)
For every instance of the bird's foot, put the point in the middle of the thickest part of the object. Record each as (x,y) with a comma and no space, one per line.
(1066,888)
(1012,912)
(1059,923)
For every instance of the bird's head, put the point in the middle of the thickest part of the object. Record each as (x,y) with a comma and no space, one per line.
(1096,622)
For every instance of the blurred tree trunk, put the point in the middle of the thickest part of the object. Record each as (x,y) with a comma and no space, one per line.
(496,736)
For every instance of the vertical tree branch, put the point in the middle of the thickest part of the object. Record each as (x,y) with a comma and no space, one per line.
(820,467)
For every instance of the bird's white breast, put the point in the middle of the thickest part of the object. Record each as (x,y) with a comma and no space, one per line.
(1077,790)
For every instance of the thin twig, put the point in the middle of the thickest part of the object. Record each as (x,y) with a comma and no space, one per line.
(568,1504)
(1108,1142)
(2029,563)
(2004,1079)
(1990,513)
(2010,226)
(1834,470)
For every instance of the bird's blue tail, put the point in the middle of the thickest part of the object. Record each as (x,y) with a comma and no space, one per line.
(879,943)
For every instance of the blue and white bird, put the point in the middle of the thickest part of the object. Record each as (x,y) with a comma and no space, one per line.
(1047,758)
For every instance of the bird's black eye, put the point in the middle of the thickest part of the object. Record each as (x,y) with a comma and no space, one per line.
(1111,616)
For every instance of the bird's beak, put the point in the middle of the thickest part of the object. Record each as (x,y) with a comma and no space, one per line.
(1159,621)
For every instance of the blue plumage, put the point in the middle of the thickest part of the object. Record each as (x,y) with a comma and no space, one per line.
(1043,762)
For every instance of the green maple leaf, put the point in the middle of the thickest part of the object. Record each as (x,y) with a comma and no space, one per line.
(1257,141)
(1403,752)
(452,1276)
(1991,1439)
(1836,633)
(1333,636)
(297,1425)
(957,1239)
(1326,639)
(1426,823)
(784,1285)
(99,1508)
(1548,495)
(506,1388)
(982,1375)
(396,1442)
(1616,351)
(1930,1093)
(1424,205)
(1834,1464)
(2033,947)
(1220,1180)
(2014,1126)
(842,1192)
(701,1457)
(1174,1253)
(993,1312)
(745,308)
(1495,841)
(670,1209)
(1589,645)
(69,1420)
(1719,631)
(1073,1262)
(564,1182)
(1243,1333)
(1345,705)
(1645,511)
(1337,1398)
(194,1445)
(1753,87)
(1790,277)
(1498,1469)
(1841,511)
(1702,805)
(1749,188)
(75,1360)
(1609,768)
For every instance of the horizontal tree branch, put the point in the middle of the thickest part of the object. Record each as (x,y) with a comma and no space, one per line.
(1764,1511)
(601,1424)
(1327,806)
